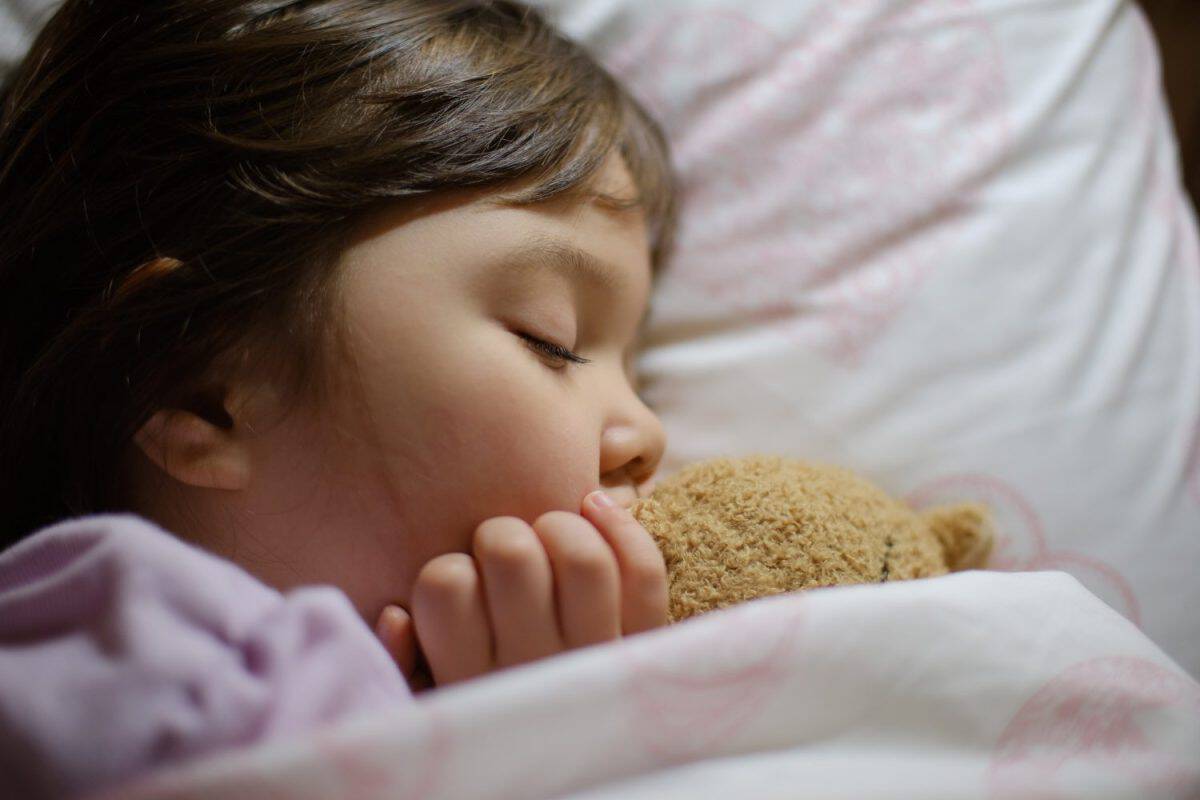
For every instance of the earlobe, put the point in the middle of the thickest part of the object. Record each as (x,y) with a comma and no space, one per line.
(194,450)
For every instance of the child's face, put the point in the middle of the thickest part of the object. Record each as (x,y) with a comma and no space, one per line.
(443,416)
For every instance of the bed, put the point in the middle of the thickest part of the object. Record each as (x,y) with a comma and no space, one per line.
(944,243)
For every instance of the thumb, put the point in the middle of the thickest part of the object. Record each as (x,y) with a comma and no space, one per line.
(395,631)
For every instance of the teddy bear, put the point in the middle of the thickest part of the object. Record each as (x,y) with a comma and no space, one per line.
(734,529)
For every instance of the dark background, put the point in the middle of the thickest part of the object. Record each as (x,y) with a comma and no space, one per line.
(1176,23)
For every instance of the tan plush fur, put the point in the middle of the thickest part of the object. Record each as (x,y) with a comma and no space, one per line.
(735,529)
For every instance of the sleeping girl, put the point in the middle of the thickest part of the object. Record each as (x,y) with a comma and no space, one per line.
(317,333)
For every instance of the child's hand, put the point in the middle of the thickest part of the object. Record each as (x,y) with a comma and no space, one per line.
(530,591)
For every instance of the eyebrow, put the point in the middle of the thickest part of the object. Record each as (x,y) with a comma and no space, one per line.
(545,253)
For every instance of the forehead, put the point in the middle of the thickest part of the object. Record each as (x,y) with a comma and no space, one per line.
(591,236)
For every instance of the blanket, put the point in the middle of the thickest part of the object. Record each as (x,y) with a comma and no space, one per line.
(977,684)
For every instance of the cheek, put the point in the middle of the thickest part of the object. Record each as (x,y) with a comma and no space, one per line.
(453,431)
(514,455)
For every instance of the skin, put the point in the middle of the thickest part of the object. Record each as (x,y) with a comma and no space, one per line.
(442,485)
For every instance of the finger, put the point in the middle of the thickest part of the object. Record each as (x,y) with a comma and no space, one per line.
(450,619)
(395,631)
(587,583)
(398,635)
(519,585)
(643,571)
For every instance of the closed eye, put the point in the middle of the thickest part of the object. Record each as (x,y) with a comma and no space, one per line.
(558,351)
(552,350)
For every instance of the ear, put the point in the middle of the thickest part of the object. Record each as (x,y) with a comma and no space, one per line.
(965,534)
(201,445)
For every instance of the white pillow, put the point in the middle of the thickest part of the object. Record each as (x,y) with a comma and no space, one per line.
(20,20)
(943,243)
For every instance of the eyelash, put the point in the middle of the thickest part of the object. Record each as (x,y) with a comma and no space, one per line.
(557,351)
(553,350)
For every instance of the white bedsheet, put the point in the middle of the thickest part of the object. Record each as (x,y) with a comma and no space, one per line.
(979,684)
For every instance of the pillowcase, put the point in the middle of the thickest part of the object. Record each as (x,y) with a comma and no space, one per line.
(944,244)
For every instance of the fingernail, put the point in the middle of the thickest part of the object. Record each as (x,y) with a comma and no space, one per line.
(601,499)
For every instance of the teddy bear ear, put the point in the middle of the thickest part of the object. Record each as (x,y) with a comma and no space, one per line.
(965,533)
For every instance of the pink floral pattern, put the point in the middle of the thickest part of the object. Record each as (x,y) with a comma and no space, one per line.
(1100,720)
(1021,543)
(824,173)
(713,683)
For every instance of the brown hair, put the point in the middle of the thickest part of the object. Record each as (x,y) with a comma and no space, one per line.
(179,177)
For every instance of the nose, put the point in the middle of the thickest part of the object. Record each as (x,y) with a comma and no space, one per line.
(631,445)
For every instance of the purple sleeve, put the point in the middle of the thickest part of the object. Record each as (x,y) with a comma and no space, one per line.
(123,648)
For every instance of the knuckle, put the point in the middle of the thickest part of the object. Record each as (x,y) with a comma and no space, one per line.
(554,519)
(587,562)
(498,524)
(445,575)
(576,547)
(505,541)
(648,574)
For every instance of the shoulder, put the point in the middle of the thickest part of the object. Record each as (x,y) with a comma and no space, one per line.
(114,630)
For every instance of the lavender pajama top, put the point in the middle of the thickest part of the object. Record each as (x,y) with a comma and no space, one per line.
(123,649)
